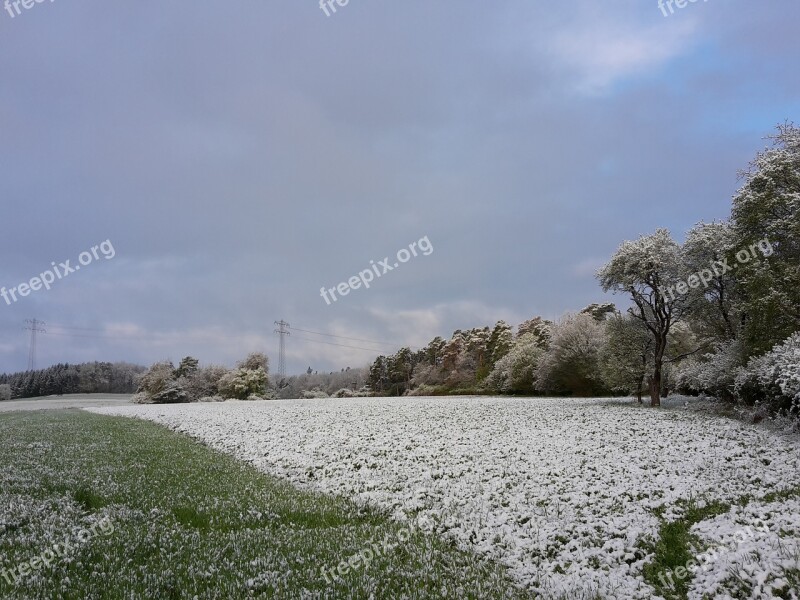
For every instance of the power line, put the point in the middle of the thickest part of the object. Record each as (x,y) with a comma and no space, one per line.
(77,328)
(102,337)
(106,334)
(395,345)
(339,345)
(102,334)
(93,332)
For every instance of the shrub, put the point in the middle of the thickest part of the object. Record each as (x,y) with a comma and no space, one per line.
(212,399)
(315,393)
(242,383)
(424,390)
(172,393)
(713,374)
(156,378)
(141,398)
(774,378)
(203,382)
(5,392)
(158,386)
(348,393)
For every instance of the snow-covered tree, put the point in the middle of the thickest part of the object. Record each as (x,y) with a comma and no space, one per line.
(401,368)
(571,364)
(651,270)
(187,367)
(473,364)
(539,327)
(500,342)
(378,375)
(432,353)
(627,355)
(254,361)
(767,208)
(709,250)
(515,373)
(600,312)
(452,350)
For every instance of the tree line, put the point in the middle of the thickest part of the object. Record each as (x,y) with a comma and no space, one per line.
(717,314)
(85,378)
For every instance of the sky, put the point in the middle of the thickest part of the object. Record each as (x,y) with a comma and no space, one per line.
(240,156)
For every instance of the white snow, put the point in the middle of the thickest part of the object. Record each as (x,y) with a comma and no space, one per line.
(560,490)
(754,547)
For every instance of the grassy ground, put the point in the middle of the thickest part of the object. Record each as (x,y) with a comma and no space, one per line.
(152,514)
(676,546)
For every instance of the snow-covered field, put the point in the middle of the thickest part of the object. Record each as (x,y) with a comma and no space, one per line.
(565,492)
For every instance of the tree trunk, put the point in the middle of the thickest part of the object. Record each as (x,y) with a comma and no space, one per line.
(658,365)
(639,389)
(655,387)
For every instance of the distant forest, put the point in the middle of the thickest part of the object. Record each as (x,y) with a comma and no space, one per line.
(87,378)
